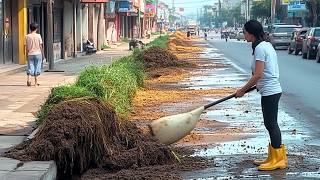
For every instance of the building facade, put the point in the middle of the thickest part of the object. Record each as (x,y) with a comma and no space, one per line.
(103,22)
(13,27)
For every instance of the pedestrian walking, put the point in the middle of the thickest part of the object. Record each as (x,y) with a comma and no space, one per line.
(265,75)
(34,50)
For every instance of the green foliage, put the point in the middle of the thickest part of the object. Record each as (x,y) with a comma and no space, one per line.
(59,94)
(161,41)
(230,15)
(155,33)
(312,18)
(104,46)
(150,1)
(116,83)
(261,9)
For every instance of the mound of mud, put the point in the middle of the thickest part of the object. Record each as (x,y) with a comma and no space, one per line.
(159,172)
(180,35)
(156,57)
(85,133)
(179,42)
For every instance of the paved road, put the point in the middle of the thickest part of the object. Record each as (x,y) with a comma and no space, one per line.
(299,78)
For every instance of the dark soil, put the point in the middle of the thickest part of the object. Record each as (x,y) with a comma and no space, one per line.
(86,133)
(161,172)
(156,57)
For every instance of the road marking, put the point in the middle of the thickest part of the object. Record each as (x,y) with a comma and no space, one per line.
(236,66)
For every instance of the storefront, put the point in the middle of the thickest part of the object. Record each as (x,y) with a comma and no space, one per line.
(37,11)
(6,43)
(112,18)
(150,20)
(128,19)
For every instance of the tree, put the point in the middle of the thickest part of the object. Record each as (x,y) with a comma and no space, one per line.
(261,9)
(314,8)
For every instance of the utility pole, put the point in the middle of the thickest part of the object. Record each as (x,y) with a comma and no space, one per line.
(173,12)
(50,34)
(247,10)
(273,11)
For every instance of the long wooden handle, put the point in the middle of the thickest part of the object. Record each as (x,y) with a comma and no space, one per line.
(226,98)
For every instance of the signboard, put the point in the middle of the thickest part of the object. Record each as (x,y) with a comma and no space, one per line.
(285,2)
(123,10)
(94,1)
(297,5)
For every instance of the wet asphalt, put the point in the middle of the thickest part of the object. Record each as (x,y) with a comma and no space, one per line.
(233,159)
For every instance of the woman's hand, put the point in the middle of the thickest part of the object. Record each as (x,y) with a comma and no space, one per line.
(240,93)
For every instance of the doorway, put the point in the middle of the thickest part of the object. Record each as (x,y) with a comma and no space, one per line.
(36,13)
(6,46)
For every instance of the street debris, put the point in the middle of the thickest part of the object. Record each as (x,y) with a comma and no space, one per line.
(156,57)
(83,133)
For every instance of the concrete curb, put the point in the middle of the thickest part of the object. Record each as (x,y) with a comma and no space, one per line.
(14,70)
(11,169)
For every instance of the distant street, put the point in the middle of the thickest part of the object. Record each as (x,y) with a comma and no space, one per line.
(299,78)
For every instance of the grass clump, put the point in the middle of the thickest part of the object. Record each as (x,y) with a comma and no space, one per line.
(161,41)
(59,94)
(116,83)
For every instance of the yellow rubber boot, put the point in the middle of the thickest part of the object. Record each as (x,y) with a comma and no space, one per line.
(258,162)
(278,161)
(285,153)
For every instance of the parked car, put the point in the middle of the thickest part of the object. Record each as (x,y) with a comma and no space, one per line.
(297,40)
(240,36)
(318,54)
(280,35)
(310,43)
(233,35)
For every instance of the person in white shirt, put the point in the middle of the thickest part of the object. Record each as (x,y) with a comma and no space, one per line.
(34,50)
(265,75)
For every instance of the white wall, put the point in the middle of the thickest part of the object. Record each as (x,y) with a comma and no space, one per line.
(79,27)
(85,23)
(111,34)
(67,29)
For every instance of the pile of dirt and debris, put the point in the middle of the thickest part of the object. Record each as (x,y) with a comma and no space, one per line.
(86,133)
(159,172)
(178,42)
(156,57)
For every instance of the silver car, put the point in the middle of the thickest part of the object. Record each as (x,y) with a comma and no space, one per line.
(240,36)
(280,35)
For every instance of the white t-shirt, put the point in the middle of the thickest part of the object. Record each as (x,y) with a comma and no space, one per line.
(33,42)
(269,84)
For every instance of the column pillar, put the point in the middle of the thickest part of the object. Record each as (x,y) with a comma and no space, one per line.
(22,26)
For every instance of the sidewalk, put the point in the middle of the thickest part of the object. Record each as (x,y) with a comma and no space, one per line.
(18,104)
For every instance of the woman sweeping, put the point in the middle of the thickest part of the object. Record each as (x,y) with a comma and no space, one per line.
(34,50)
(265,75)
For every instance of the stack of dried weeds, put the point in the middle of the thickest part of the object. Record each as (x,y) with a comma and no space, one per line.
(156,57)
(83,133)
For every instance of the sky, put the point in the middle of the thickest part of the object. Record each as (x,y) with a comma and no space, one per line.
(190,6)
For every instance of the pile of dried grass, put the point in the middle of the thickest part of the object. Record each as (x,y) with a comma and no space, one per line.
(83,133)
(156,57)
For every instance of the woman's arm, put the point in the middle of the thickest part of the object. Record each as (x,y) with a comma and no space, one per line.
(253,80)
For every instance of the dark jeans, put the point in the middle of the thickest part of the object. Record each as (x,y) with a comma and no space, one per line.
(270,116)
